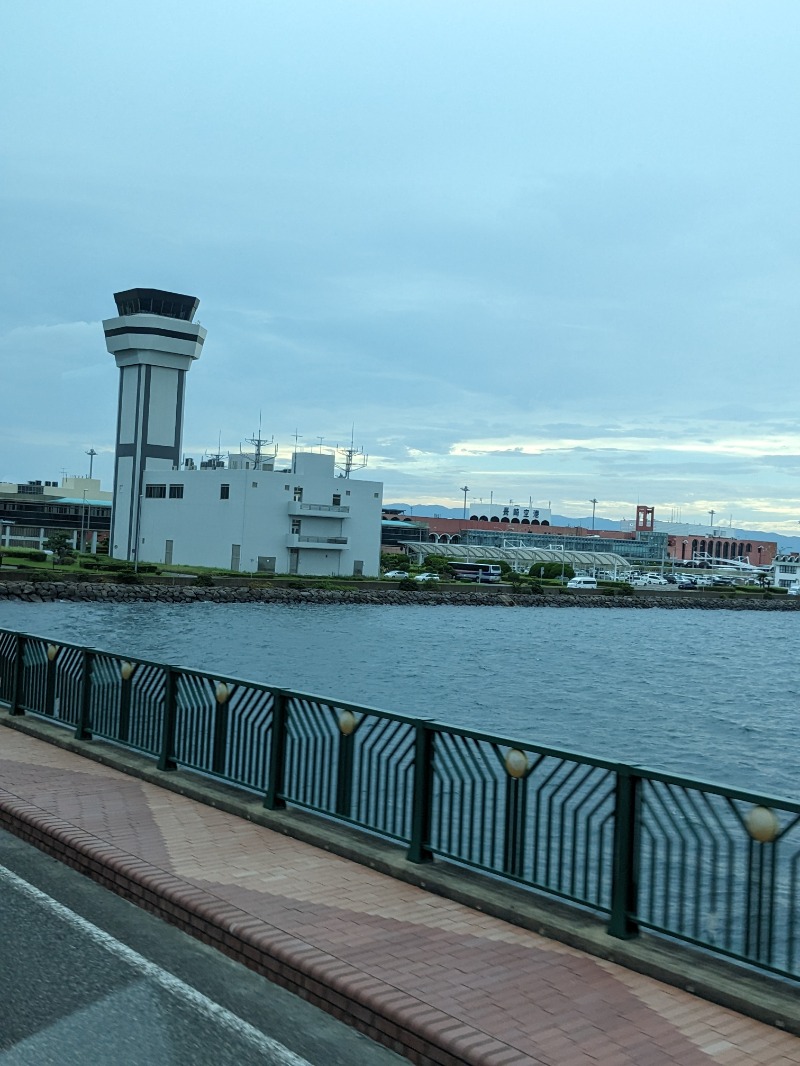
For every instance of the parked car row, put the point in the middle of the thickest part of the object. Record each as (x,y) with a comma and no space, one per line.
(400,574)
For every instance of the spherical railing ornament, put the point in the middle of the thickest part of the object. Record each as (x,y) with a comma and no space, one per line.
(347,723)
(126,669)
(517,764)
(762,824)
(52,651)
(223,692)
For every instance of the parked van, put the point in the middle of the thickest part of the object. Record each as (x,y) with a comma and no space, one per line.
(582,583)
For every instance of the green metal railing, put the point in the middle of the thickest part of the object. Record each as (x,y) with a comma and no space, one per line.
(713,866)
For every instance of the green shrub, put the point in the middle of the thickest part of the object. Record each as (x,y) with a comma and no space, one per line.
(551,571)
(206,581)
(408,584)
(129,577)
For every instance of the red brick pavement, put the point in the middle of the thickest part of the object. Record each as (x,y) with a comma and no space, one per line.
(427,976)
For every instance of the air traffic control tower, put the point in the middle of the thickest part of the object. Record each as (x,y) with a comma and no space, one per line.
(154,342)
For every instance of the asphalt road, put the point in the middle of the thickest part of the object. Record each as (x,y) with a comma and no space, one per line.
(86,977)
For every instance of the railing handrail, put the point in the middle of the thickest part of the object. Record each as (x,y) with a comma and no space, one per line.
(323,506)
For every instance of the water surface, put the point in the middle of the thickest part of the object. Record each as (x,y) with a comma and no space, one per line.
(712,694)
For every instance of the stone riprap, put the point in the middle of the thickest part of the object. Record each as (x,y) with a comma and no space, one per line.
(49,591)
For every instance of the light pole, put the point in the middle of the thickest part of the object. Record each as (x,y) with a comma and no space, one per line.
(465,490)
(712,512)
(594,504)
(91,453)
(83,524)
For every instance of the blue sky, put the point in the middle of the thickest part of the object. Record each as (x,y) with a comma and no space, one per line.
(545,250)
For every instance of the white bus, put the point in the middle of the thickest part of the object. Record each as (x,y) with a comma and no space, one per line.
(484,573)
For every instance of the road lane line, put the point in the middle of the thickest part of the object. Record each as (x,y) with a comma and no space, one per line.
(167,981)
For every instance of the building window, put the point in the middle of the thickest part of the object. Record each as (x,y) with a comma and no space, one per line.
(176,492)
(298,494)
(286,488)
(337,499)
(156,492)
(376,495)
(254,484)
(225,494)
(347,492)
(295,525)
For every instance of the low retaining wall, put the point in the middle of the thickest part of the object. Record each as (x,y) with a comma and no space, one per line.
(50,591)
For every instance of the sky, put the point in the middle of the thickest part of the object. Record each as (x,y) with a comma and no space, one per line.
(544,250)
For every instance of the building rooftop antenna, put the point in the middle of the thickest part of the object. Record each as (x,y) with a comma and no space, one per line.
(353,458)
(215,458)
(264,449)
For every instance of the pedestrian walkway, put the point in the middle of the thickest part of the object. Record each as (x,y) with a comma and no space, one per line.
(435,980)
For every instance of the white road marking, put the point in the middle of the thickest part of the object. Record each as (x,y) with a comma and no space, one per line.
(167,981)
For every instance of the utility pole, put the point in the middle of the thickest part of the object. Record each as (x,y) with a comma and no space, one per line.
(465,490)
(594,504)
(91,453)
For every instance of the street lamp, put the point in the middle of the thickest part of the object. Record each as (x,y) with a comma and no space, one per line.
(594,504)
(712,512)
(465,490)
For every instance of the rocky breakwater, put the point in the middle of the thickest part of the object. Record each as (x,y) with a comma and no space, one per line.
(86,592)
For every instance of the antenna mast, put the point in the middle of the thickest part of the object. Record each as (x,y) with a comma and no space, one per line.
(353,458)
(264,449)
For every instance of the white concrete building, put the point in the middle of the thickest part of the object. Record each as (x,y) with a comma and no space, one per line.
(301,520)
(785,573)
(251,514)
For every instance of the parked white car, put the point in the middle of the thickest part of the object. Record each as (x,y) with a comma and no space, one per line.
(427,577)
(396,573)
(582,583)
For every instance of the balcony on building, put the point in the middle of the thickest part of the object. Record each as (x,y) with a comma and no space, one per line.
(322,510)
(301,540)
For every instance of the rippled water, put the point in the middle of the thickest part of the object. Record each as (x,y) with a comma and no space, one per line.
(711,694)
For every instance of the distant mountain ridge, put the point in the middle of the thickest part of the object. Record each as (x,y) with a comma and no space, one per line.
(785,543)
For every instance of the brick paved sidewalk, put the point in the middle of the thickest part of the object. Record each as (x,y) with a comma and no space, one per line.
(429,977)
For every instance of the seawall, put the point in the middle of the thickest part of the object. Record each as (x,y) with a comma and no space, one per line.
(101,592)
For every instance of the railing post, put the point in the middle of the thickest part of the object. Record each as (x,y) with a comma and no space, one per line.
(418,850)
(124,709)
(220,738)
(625,884)
(50,687)
(83,728)
(166,760)
(274,799)
(18,697)
(344,774)
(515,826)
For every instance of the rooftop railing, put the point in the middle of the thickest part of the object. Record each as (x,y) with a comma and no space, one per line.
(713,866)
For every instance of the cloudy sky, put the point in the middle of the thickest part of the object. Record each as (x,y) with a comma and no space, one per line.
(541,248)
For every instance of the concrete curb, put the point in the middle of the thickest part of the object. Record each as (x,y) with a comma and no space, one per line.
(754,994)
